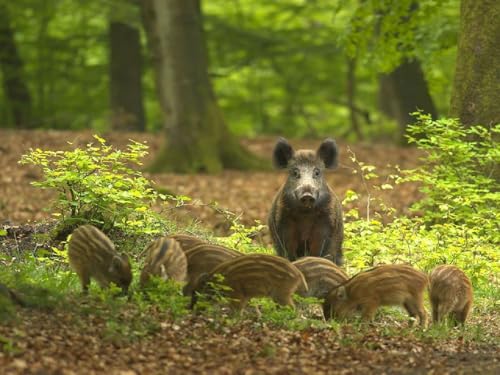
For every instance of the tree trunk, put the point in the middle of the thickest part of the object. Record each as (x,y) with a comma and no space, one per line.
(11,65)
(351,97)
(125,68)
(197,139)
(403,91)
(476,90)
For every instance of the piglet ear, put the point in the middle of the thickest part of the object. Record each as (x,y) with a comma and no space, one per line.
(328,152)
(342,293)
(282,153)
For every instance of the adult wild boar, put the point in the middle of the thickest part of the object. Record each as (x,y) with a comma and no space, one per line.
(306,215)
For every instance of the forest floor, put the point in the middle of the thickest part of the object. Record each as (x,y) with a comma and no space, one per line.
(69,340)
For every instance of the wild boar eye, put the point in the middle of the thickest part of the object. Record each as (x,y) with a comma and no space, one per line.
(316,172)
(295,173)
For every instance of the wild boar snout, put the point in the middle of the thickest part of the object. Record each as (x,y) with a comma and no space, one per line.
(307,195)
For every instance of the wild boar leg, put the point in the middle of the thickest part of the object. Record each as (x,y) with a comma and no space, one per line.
(435,312)
(465,312)
(414,310)
(368,312)
(239,303)
(327,310)
(422,317)
(442,311)
(284,300)
(85,281)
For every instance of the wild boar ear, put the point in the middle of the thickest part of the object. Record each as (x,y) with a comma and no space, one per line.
(328,152)
(341,293)
(282,153)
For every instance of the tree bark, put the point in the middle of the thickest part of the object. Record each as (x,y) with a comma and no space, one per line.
(125,68)
(403,91)
(476,90)
(11,65)
(197,139)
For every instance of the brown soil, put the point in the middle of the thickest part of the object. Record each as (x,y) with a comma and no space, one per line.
(60,343)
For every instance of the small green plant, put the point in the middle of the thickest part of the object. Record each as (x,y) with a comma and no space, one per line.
(127,325)
(8,346)
(7,309)
(112,296)
(267,351)
(97,185)
(241,237)
(127,318)
(214,295)
(286,316)
(166,296)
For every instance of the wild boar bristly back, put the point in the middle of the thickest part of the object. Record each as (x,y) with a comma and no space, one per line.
(188,241)
(322,275)
(306,215)
(92,255)
(202,259)
(165,258)
(256,275)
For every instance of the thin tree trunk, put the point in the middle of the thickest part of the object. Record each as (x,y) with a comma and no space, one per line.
(351,97)
(197,139)
(125,67)
(403,91)
(476,90)
(16,89)
(387,104)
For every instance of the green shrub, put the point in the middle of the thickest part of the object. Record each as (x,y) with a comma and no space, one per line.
(459,222)
(407,240)
(241,237)
(460,174)
(97,185)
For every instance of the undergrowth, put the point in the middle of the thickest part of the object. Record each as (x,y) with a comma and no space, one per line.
(458,224)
